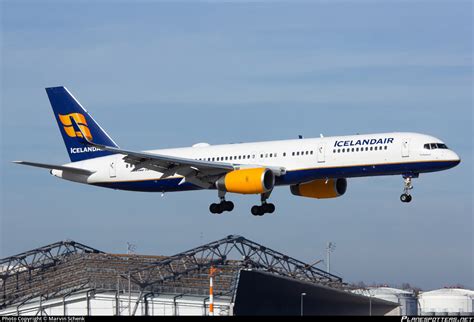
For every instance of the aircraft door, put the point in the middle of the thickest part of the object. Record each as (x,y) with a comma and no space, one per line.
(406,148)
(113,168)
(321,152)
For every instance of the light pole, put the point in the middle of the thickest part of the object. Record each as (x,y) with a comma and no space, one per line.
(370,301)
(330,248)
(302,295)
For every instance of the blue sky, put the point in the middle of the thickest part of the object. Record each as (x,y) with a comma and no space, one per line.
(158,75)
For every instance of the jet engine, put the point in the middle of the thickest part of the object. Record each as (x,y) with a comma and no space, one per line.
(247,181)
(321,188)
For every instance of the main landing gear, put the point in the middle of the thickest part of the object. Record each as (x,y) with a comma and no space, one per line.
(406,196)
(218,208)
(265,208)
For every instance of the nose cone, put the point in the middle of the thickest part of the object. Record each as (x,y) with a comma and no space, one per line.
(454,158)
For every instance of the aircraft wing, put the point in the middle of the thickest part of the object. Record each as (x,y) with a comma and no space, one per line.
(201,173)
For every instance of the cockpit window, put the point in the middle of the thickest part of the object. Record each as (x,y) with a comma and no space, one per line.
(432,146)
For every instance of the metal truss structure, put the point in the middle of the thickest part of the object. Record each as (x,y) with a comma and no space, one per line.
(218,253)
(37,260)
(66,267)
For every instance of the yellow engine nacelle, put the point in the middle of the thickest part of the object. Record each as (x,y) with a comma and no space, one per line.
(247,181)
(321,188)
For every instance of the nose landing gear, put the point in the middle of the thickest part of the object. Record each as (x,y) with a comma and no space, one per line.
(407,186)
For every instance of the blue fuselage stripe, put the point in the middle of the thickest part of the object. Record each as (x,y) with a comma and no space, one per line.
(294,177)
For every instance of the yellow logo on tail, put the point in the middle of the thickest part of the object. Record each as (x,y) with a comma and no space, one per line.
(66,120)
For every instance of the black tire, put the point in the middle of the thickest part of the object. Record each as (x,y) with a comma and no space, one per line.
(409,198)
(229,206)
(214,208)
(270,208)
(404,198)
(256,211)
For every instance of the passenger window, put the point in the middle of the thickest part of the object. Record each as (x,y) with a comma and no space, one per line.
(385,147)
(338,150)
(271,155)
(343,150)
(293,153)
(334,151)
(371,148)
(284,154)
(352,149)
(375,148)
(248,156)
(311,152)
(266,155)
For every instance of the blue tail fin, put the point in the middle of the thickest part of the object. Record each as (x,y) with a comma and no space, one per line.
(66,108)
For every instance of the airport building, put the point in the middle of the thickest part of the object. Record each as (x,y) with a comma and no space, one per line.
(406,300)
(69,278)
(447,301)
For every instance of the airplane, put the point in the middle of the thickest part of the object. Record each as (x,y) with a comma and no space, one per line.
(313,168)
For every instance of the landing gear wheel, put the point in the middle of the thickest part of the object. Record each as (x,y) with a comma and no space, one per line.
(268,208)
(216,208)
(405,197)
(228,205)
(257,211)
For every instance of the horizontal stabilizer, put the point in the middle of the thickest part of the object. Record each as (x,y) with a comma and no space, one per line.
(56,167)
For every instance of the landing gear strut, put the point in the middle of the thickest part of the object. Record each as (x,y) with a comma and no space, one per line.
(218,208)
(265,208)
(406,196)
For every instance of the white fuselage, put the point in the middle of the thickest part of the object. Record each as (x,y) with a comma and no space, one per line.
(303,160)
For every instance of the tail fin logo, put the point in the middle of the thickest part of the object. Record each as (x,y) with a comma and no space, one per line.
(70,128)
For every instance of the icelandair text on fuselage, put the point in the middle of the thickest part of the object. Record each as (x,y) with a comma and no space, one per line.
(86,149)
(363,142)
